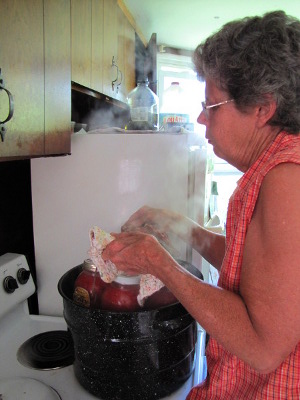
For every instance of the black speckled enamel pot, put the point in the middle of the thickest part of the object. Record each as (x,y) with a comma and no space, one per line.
(143,355)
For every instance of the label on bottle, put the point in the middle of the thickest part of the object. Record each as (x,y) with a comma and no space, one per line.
(139,113)
(82,297)
(169,121)
(175,118)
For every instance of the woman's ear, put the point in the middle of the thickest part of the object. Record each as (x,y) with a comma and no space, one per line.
(266,111)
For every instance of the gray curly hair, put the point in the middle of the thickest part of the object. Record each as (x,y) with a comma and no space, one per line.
(253,58)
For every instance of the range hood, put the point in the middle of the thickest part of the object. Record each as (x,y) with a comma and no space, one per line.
(97,110)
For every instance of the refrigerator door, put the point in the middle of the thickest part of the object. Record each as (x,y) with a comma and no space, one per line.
(105,180)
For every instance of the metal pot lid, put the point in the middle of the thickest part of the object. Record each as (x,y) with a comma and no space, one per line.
(26,389)
(88,265)
(124,279)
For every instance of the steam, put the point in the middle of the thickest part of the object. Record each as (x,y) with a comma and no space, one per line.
(106,117)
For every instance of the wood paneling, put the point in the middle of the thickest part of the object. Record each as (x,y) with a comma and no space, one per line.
(97,45)
(110,46)
(57,76)
(22,65)
(35,64)
(81,33)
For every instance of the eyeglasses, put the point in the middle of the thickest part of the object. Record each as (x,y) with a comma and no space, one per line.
(206,108)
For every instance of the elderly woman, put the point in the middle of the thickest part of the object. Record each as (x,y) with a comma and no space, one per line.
(252,116)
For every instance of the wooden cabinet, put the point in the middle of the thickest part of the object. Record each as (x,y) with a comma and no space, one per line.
(81,33)
(97,45)
(87,43)
(129,57)
(119,52)
(103,47)
(126,55)
(35,66)
(111,77)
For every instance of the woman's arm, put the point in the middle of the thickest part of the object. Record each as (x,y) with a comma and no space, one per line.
(261,323)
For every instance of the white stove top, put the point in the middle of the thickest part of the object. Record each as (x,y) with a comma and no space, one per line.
(26,388)
(16,326)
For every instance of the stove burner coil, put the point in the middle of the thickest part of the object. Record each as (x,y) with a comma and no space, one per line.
(47,351)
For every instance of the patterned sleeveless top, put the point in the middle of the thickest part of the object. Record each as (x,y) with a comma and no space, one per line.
(228,376)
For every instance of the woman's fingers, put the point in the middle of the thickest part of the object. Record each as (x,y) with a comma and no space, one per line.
(138,219)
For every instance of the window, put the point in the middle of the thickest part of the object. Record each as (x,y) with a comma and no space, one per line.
(180,68)
(226,177)
(171,68)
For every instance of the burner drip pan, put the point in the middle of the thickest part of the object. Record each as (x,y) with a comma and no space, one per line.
(47,350)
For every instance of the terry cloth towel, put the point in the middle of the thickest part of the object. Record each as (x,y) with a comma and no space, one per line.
(99,239)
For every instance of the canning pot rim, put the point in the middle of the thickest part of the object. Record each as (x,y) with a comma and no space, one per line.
(183,263)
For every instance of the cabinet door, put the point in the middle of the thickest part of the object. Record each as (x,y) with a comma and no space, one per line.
(97,45)
(22,66)
(126,56)
(35,64)
(121,53)
(57,77)
(129,57)
(110,48)
(87,43)
(81,44)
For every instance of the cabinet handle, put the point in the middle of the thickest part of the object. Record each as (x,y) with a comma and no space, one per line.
(10,108)
(121,80)
(113,64)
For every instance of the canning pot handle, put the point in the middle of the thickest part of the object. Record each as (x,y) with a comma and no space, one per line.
(168,324)
(10,108)
(172,323)
(164,323)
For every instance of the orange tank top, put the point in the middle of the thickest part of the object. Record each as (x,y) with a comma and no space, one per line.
(229,377)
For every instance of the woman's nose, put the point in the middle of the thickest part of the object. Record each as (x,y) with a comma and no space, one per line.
(202,118)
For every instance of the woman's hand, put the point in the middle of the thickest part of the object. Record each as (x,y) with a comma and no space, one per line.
(136,253)
(157,222)
(148,220)
(167,225)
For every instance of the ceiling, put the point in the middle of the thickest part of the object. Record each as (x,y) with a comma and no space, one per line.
(183,24)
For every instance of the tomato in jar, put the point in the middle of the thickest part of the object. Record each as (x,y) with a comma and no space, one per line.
(88,286)
(121,294)
(163,297)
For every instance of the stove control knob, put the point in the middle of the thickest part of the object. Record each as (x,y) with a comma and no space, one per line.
(23,275)
(10,284)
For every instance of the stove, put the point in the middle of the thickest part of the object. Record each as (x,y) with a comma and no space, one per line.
(36,351)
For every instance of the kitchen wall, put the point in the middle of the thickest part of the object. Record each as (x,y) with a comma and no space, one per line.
(16,231)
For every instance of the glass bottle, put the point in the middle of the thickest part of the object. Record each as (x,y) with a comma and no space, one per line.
(143,104)
(88,286)
(213,201)
(121,294)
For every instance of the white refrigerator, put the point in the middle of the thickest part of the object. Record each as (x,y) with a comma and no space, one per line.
(108,176)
